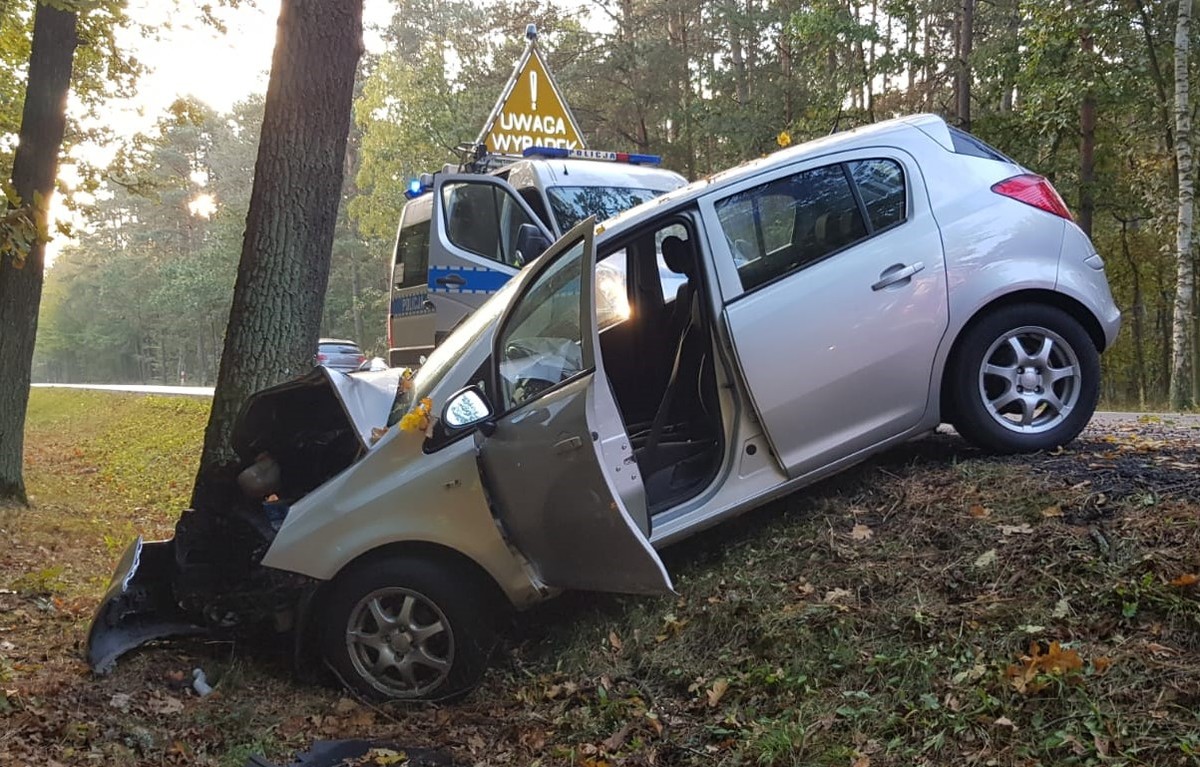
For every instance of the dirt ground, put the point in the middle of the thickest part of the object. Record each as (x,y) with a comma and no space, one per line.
(933,606)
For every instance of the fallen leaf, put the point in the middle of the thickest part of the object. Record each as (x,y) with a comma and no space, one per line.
(862,761)
(805,589)
(979,512)
(1101,665)
(120,701)
(716,692)
(655,722)
(1021,529)
(165,704)
(385,756)
(1187,579)
(1004,721)
(861,532)
(1052,511)
(614,742)
(344,706)
(1062,608)
(834,596)
(1160,649)
(986,559)
(614,641)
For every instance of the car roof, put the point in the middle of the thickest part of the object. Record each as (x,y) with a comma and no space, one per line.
(592,173)
(863,136)
(336,341)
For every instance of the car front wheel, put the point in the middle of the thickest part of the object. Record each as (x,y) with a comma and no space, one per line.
(406,629)
(1025,378)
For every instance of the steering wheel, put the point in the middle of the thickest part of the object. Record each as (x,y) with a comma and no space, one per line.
(517,350)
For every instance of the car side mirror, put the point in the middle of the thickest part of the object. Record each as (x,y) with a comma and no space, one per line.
(531,243)
(466,408)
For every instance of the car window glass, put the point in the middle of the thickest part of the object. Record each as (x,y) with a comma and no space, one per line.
(881,185)
(412,253)
(483,219)
(612,289)
(572,204)
(541,342)
(824,219)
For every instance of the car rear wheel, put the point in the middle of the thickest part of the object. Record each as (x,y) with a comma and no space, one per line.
(407,629)
(1025,378)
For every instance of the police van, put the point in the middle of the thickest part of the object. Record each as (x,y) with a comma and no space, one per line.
(463,235)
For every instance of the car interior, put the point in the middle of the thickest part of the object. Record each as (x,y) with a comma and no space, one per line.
(659,361)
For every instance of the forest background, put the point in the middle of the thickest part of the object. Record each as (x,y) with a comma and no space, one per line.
(1080,92)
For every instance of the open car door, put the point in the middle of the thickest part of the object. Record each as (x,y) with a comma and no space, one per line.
(558,465)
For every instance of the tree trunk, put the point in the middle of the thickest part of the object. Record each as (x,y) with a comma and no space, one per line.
(963,81)
(275,318)
(1087,140)
(1181,320)
(35,165)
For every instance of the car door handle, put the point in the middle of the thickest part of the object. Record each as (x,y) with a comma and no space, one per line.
(897,273)
(568,444)
(456,280)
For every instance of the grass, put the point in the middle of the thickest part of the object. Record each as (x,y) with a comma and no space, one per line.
(934,606)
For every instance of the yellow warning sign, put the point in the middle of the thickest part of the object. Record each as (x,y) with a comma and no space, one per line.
(531,112)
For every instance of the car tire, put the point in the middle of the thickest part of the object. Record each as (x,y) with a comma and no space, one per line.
(407,628)
(1024,378)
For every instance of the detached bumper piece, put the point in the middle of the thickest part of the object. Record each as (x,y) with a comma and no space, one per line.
(139,606)
(337,753)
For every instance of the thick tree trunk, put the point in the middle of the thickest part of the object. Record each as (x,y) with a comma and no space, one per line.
(1181,320)
(275,318)
(35,165)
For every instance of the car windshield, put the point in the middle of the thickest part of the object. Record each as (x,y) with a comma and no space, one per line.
(572,204)
(441,359)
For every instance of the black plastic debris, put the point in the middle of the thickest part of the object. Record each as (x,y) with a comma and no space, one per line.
(367,753)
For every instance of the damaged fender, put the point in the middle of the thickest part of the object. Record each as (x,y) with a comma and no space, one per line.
(138,607)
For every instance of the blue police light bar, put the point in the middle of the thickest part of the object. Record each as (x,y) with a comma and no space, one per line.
(591,154)
(415,189)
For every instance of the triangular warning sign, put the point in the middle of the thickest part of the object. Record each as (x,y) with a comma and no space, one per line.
(530,112)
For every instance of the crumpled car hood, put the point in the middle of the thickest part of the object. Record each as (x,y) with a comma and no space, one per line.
(365,399)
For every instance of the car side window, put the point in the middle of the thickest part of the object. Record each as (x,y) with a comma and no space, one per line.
(541,343)
(789,223)
(881,185)
(483,219)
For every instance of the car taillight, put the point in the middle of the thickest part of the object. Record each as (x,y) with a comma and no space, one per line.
(1034,190)
(321,358)
(362,358)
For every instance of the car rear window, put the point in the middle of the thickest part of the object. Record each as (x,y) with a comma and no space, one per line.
(339,349)
(965,143)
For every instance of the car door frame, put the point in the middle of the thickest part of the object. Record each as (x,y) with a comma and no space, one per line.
(443,252)
(728,281)
(642,571)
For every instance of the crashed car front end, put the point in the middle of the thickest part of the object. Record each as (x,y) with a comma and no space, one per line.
(208,579)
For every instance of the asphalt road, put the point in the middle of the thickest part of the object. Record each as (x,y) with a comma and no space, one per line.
(1100,420)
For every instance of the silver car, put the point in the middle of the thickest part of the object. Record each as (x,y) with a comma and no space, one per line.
(839,298)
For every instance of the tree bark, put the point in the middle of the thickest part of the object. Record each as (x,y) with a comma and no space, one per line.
(274,321)
(1087,140)
(963,81)
(1181,319)
(35,166)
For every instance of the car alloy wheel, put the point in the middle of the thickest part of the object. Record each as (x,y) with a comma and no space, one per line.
(1030,380)
(1024,377)
(400,642)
